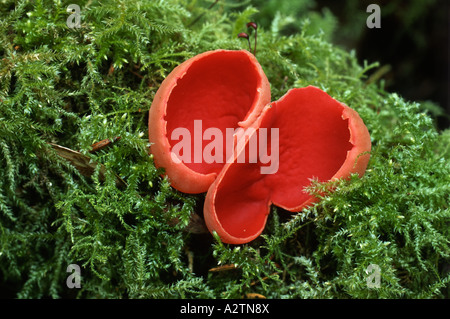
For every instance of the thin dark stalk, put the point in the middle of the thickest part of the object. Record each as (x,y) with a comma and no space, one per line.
(254,26)
(201,15)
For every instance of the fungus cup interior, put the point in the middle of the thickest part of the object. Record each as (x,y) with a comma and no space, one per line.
(220,90)
(314,142)
(197,110)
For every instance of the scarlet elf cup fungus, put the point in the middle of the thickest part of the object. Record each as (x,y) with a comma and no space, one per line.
(222,89)
(319,137)
(316,137)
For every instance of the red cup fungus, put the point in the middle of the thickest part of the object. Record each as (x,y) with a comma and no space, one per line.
(221,88)
(306,134)
(319,137)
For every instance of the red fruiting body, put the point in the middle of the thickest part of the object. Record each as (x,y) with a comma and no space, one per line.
(223,89)
(319,137)
(252,25)
(245,35)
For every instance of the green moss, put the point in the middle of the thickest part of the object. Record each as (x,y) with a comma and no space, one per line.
(74,87)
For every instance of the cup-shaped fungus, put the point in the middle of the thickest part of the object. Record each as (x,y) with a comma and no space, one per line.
(200,98)
(212,128)
(316,137)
